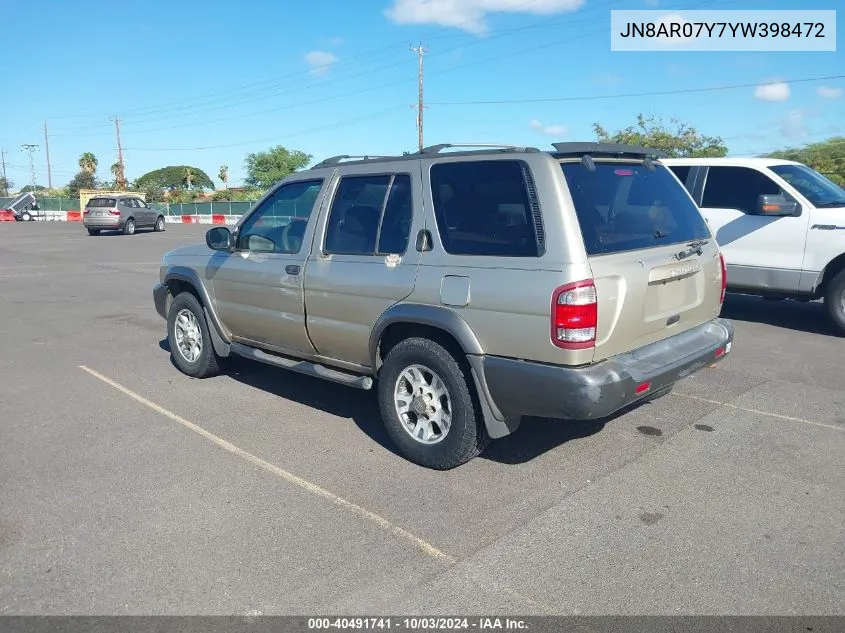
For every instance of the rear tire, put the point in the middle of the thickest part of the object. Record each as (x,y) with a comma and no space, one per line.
(834,299)
(442,388)
(129,227)
(26,217)
(159,226)
(93,231)
(190,342)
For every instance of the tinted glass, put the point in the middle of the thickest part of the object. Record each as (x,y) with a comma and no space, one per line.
(737,188)
(682,172)
(623,207)
(483,208)
(397,218)
(812,185)
(353,222)
(278,224)
(101,202)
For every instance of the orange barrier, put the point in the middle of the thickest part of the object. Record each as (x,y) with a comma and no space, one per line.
(74,216)
(218,218)
(189,219)
(7,216)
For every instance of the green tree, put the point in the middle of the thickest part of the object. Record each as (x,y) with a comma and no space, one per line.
(265,169)
(173,177)
(88,162)
(223,175)
(82,180)
(826,157)
(5,185)
(678,139)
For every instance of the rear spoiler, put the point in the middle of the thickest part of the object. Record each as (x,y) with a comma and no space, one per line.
(611,150)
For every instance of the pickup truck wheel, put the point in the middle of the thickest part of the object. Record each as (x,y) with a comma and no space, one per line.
(190,342)
(428,407)
(834,299)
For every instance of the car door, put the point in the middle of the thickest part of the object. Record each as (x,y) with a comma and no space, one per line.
(363,262)
(145,212)
(258,286)
(761,252)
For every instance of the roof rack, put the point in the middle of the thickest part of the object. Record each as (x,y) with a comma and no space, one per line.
(334,160)
(436,149)
(607,148)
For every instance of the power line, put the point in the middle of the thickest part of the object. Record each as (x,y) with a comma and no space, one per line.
(30,148)
(631,94)
(5,182)
(298,74)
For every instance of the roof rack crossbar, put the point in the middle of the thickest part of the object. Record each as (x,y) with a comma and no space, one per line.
(607,148)
(436,149)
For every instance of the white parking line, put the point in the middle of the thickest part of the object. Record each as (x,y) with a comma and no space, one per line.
(425,546)
(759,412)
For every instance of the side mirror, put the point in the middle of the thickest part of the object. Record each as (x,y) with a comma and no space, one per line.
(219,239)
(776,206)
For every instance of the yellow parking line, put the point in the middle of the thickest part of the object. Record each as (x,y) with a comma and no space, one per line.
(759,412)
(425,546)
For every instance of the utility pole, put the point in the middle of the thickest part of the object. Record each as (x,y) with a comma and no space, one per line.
(29,147)
(5,182)
(121,180)
(47,148)
(420,51)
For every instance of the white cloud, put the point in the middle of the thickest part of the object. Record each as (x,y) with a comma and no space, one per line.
(829,93)
(776,91)
(469,15)
(320,62)
(551,130)
(336,41)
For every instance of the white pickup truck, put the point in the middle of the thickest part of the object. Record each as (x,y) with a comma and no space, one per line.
(780,224)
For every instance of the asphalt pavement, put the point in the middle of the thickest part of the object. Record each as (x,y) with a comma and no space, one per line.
(129,488)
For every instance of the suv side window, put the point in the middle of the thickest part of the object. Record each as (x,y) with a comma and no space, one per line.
(737,188)
(278,224)
(483,208)
(370,215)
(682,172)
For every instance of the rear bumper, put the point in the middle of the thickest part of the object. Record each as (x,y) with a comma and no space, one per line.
(519,388)
(160,299)
(101,223)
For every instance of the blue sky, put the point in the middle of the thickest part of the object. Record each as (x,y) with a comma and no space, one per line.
(204,83)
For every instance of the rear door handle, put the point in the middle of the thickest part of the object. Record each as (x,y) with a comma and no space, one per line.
(292,269)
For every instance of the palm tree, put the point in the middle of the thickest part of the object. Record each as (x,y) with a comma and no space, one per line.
(223,174)
(188,177)
(88,163)
(117,172)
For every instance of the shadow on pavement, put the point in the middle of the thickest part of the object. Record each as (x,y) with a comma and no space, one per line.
(534,437)
(810,317)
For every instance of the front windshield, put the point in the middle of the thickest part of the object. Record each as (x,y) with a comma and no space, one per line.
(812,185)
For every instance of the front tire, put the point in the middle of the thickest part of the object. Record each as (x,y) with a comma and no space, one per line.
(129,227)
(159,227)
(834,299)
(187,334)
(428,407)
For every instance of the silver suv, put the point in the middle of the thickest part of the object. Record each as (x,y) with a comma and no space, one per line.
(470,288)
(124,213)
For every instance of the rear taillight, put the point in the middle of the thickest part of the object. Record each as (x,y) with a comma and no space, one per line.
(724,277)
(114,212)
(575,315)
(86,212)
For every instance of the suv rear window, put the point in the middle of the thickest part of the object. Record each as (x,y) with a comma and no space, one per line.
(101,202)
(625,207)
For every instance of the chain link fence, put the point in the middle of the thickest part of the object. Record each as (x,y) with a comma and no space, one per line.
(185,208)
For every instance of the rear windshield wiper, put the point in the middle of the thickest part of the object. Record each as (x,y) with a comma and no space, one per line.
(695,247)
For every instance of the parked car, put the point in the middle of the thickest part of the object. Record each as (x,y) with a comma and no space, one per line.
(780,224)
(124,213)
(470,288)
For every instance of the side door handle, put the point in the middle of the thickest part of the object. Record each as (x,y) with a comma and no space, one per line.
(292,269)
